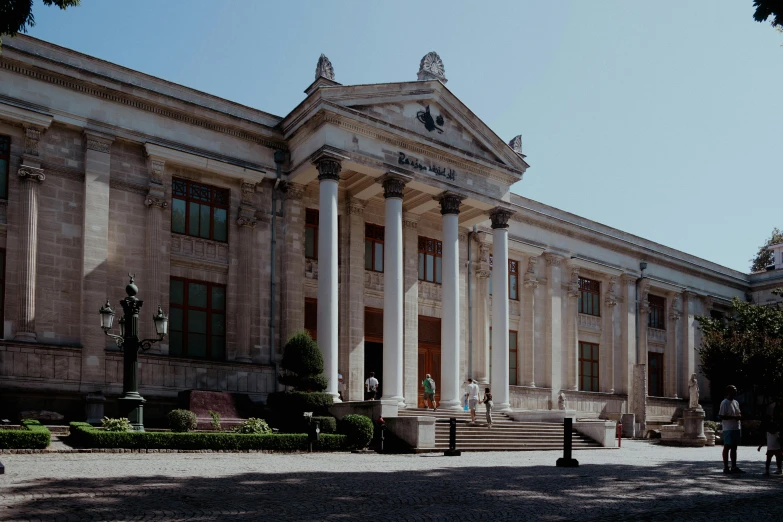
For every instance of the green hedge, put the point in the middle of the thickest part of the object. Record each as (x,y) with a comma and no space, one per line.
(358,430)
(295,402)
(87,436)
(33,436)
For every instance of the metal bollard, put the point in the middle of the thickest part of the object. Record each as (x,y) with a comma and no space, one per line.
(567,461)
(382,428)
(314,433)
(2,469)
(619,434)
(452,451)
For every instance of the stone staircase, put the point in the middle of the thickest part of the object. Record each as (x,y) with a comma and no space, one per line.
(505,435)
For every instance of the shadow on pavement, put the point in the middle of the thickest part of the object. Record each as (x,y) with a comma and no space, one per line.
(675,491)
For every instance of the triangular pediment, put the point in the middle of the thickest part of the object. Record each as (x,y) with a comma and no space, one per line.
(428,112)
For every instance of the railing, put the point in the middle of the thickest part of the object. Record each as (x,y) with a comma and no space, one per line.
(590,322)
(654,334)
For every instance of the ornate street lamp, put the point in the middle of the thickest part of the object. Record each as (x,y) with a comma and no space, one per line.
(131,403)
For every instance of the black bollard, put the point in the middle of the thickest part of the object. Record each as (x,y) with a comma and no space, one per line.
(2,469)
(452,451)
(567,461)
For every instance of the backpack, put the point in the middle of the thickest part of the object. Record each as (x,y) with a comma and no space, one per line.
(432,384)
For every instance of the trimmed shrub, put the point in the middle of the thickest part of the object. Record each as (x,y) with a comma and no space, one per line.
(215,422)
(87,436)
(297,402)
(121,424)
(358,431)
(252,425)
(182,420)
(31,436)
(303,364)
(328,424)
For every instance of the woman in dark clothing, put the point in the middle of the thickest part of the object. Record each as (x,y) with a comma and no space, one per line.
(488,403)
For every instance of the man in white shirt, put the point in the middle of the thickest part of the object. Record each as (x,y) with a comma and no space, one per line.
(473,399)
(371,384)
(730,416)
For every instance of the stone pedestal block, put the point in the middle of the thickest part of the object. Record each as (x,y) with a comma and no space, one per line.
(693,420)
(94,408)
(629,425)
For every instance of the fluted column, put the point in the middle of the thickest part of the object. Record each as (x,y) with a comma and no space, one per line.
(328,296)
(627,333)
(30,178)
(529,324)
(393,187)
(644,312)
(609,335)
(450,323)
(481,310)
(410,240)
(246,222)
(499,377)
(554,326)
(572,326)
(670,357)
(155,244)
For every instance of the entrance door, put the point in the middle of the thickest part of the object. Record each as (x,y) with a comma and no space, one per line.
(373,347)
(429,354)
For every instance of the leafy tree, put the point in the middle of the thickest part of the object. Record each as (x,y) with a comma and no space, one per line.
(303,364)
(746,350)
(767,8)
(17,15)
(763,257)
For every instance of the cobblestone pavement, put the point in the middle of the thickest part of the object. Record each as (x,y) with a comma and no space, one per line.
(641,481)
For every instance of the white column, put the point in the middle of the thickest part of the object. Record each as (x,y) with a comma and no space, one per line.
(554,327)
(609,336)
(328,176)
(670,355)
(529,322)
(393,186)
(450,342)
(499,377)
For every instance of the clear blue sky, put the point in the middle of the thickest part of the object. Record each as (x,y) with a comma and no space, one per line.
(659,118)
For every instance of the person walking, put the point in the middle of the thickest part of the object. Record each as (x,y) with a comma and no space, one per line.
(488,403)
(371,385)
(730,416)
(473,399)
(773,438)
(429,392)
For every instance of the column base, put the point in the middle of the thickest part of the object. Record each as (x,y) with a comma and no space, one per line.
(449,405)
(505,406)
(532,384)
(29,337)
(399,399)
(336,398)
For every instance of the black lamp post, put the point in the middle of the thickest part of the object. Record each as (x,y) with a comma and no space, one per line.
(131,403)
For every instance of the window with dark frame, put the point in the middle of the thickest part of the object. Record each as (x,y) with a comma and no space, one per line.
(588,367)
(199,210)
(373,247)
(311,317)
(5,161)
(655,374)
(513,278)
(430,260)
(513,352)
(197,319)
(589,297)
(657,315)
(311,233)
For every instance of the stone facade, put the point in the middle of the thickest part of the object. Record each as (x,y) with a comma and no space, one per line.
(95,150)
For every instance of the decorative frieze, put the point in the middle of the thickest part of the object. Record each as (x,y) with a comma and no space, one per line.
(655,335)
(553,259)
(247,189)
(410,222)
(573,283)
(590,322)
(32,137)
(373,280)
(156,167)
(247,221)
(97,144)
(198,248)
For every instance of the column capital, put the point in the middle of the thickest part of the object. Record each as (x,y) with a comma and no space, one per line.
(531,282)
(328,160)
(98,141)
(246,221)
(500,216)
(394,184)
(628,279)
(154,201)
(553,259)
(31,173)
(449,203)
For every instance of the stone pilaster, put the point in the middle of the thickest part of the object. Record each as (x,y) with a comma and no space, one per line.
(688,331)
(572,328)
(30,178)
(670,356)
(292,267)
(481,311)
(95,256)
(410,241)
(608,351)
(355,304)
(554,325)
(627,333)
(528,377)
(639,392)
(155,246)
(246,222)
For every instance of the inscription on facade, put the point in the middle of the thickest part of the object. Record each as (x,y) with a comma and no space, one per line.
(438,171)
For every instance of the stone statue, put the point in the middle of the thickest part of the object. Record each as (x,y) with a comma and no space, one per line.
(561,401)
(431,68)
(693,390)
(324,68)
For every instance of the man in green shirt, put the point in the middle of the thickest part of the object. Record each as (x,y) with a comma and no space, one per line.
(429,392)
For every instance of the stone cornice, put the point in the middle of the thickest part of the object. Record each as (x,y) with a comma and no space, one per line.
(117,96)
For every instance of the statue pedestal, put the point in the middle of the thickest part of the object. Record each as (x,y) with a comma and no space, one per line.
(693,421)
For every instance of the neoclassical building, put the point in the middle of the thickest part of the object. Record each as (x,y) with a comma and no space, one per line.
(379,217)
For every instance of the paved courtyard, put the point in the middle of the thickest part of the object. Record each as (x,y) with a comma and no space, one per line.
(641,481)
